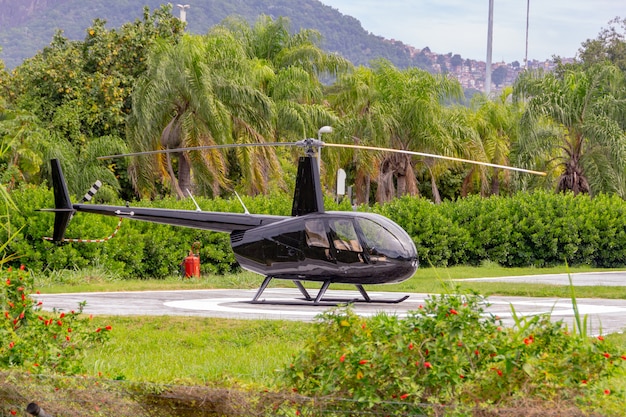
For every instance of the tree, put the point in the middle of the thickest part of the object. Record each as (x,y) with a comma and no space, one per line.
(79,91)
(496,124)
(575,119)
(398,109)
(365,120)
(175,105)
(456,61)
(610,45)
(498,75)
(288,68)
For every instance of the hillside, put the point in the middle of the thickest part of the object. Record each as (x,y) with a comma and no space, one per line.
(26,26)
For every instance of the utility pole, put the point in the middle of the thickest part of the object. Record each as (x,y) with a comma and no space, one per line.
(527,17)
(489,43)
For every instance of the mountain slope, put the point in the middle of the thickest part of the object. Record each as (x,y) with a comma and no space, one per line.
(28,25)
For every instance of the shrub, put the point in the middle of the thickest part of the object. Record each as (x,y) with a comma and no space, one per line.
(38,341)
(450,351)
(528,229)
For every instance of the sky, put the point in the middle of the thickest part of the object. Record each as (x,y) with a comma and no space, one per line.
(555,27)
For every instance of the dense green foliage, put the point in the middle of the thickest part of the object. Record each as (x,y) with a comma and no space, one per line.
(450,352)
(38,341)
(529,229)
(539,229)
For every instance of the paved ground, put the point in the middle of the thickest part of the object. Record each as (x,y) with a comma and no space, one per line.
(605,316)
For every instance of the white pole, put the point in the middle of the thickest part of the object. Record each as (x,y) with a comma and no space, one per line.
(527,17)
(489,43)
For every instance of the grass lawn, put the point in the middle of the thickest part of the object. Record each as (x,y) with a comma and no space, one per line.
(178,358)
(211,350)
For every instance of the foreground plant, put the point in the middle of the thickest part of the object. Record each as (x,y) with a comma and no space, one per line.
(38,341)
(451,352)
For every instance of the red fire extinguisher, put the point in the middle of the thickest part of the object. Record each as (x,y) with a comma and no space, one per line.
(192,263)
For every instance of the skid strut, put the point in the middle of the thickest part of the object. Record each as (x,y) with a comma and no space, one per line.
(319,298)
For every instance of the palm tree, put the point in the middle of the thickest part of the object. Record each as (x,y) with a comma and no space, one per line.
(400,109)
(575,118)
(422,123)
(189,97)
(365,120)
(496,124)
(288,68)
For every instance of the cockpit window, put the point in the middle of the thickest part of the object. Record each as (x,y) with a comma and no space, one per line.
(380,239)
(316,234)
(344,236)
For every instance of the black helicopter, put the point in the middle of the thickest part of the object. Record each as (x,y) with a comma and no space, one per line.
(310,245)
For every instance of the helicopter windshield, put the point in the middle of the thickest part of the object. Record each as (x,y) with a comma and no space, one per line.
(383,238)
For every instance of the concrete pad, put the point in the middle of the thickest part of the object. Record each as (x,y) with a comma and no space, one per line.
(604,316)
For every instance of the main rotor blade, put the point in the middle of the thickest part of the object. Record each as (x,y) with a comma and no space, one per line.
(450,158)
(200,148)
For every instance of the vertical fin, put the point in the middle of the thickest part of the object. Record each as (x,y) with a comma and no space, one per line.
(307,197)
(62,204)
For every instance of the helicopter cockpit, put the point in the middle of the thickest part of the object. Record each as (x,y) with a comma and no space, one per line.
(329,246)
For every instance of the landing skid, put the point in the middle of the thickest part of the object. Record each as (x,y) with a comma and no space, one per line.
(319,298)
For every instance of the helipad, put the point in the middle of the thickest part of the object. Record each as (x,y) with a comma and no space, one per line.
(604,316)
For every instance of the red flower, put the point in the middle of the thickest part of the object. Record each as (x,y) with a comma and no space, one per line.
(22,267)
(584,381)
(108,328)
(623,357)
(606,355)
(67,338)
(35,364)
(69,330)
(607,391)
(427,365)
(11,345)
(528,341)
(98,330)
(62,315)
(342,358)
(453,311)
(403,396)
(476,352)
(59,322)
(462,376)
(600,338)
(411,346)
(363,361)
(13,412)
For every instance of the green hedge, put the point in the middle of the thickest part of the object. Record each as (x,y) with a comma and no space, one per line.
(540,229)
